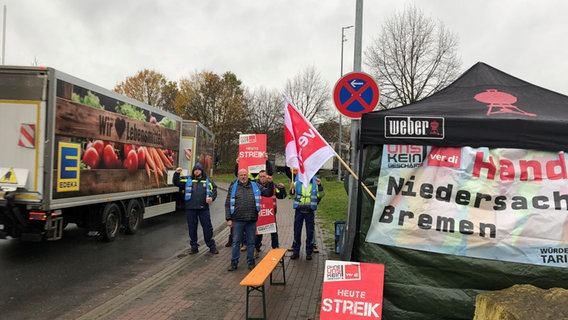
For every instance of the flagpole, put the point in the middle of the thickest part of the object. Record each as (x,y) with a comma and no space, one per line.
(355,176)
(291,182)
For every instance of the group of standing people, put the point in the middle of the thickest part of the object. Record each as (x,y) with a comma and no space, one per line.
(242,207)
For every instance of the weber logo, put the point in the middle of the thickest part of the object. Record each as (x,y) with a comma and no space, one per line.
(414,127)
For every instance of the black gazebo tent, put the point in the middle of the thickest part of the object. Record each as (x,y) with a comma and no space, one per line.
(484,107)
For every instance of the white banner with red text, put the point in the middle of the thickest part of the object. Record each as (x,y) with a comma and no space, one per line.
(252,152)
(500,204)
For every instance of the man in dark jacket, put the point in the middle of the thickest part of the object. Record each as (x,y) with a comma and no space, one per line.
(253,177)
(241,212)
(276,191)
(199,192)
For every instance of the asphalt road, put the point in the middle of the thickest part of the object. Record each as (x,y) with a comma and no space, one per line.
(46,280)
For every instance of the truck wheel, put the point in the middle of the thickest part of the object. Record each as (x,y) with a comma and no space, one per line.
(133,217)
(110,225)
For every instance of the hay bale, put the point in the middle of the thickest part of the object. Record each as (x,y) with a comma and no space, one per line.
(521,302)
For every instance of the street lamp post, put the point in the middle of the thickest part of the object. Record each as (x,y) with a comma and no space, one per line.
(339,145)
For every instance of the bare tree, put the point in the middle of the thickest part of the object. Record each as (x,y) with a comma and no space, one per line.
(310,94)
(412,58)
(266,110)
(266,115)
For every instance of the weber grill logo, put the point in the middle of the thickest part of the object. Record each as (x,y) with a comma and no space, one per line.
(414,127)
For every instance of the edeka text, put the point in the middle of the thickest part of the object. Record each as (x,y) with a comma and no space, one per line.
(347,306)
(67,184)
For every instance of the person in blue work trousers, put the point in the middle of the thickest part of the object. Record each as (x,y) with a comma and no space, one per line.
(199,192)
(253,177)
(276,191)
(241,212)
(306,199)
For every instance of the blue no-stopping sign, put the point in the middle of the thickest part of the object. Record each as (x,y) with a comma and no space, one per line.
(355,93)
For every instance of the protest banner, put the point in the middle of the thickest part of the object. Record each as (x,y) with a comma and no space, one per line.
(266,222)
(352,290)
(252,152)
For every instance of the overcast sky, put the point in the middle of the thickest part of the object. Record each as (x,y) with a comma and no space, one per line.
(267,42)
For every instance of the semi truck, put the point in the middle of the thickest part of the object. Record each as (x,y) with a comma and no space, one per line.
(74,152)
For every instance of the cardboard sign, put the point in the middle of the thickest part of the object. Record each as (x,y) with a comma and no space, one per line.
(352,290)
(252,150)
(266,222)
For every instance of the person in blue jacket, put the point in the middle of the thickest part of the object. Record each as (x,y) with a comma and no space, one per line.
(199,192)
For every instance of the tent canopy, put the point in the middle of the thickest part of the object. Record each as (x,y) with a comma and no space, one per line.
(484,107)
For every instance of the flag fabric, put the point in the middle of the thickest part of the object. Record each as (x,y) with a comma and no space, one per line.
(306,149)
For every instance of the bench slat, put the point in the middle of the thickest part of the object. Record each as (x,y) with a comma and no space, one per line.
(260,273)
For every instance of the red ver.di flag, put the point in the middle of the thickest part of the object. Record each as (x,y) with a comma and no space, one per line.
(252,151)
(352,290)
(266,222)
(305,147)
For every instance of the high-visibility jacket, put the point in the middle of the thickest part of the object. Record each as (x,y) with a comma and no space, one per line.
(306,196)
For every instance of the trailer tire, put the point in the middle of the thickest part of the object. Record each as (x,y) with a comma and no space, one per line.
(133,217)
(110,226)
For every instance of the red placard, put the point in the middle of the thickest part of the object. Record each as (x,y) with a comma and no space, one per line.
(266,222)
(352,290)
(252,151)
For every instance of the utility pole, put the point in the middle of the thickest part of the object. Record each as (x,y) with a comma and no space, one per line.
(351,232)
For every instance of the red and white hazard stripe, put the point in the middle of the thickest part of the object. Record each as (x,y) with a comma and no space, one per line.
(27,135)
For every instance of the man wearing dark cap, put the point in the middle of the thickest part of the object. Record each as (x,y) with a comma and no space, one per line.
(199,192)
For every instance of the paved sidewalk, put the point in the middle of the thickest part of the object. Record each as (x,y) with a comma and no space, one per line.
(200,287)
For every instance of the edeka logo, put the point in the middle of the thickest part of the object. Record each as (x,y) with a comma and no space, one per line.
(405,156)
(414,127)
(444,157)
(69,155)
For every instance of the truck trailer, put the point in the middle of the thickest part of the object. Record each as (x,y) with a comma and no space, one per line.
(197,146)
(74,152)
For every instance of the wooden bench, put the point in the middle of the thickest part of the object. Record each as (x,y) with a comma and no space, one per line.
(254,281)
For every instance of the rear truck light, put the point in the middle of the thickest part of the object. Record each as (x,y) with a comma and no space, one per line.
(38,215)
(43,216)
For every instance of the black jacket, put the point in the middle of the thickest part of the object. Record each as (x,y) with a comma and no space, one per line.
(245,204)
(198,189)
